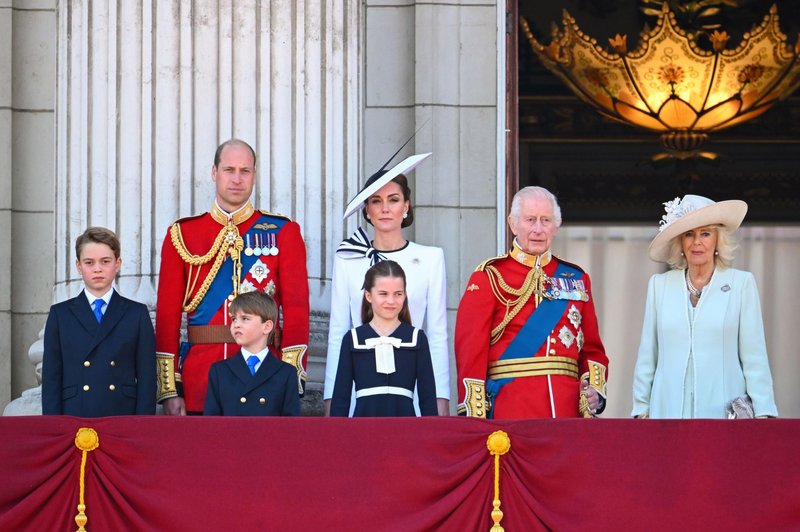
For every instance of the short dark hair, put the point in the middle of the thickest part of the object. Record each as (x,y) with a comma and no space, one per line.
(385,268)
(401,180)
(232,142)
(97,235)
(256,303)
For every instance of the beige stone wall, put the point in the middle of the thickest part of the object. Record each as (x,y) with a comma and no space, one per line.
(438,63)
(27,247)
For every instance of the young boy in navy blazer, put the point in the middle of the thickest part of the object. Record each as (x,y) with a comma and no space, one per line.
(253,382)
(99,347)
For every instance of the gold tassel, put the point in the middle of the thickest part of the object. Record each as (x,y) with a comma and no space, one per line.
(498,444)
(86,440)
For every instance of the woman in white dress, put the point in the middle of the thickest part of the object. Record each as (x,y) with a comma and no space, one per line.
(385,203)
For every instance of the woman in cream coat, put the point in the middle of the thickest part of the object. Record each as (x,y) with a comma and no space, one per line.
(702,341)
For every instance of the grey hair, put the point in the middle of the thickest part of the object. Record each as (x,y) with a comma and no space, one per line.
(726,249)
(534,192)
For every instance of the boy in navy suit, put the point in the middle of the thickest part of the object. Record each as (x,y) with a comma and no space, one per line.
(99,347)
(254,382)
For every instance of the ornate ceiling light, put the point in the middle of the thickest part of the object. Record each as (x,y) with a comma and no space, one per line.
(669,84)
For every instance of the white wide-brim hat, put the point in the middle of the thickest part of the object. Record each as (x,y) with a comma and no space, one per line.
(380,178)
(689,213)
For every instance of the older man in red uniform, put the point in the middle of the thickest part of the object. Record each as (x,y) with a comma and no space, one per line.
(527,340)
(206,261)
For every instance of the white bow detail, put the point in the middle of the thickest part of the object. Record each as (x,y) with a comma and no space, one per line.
(384,352)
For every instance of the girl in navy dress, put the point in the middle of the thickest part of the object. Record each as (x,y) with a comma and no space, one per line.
(387,356)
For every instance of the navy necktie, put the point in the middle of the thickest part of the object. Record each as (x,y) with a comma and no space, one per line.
(98,309)
(252,360)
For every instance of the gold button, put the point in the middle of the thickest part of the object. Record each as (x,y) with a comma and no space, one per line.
(164,363)
(552,340)
(479,412)
(112,387)
(552,351)
(113,363)
(167,387)
(85,387)
(86,363)
(477,388)
(243,400)
(262,401)
(478,397)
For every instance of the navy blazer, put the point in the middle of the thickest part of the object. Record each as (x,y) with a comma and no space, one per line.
(95,369)
(232,391)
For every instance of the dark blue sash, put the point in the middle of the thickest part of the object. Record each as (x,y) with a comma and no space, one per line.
(222,284)
(535,331)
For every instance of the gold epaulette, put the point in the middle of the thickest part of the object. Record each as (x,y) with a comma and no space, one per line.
(274,215)
(568,263)
(482,266)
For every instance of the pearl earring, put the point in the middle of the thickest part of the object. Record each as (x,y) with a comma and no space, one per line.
(716,252)
(405,215)
(682,254)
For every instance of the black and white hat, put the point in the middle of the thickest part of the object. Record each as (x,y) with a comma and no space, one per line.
(383,176)
(380,178)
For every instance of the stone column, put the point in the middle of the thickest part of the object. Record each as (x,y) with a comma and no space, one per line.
(437,62)
(147,89)
(27,66)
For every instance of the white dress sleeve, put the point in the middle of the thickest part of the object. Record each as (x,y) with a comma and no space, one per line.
(436,323)
(340,321)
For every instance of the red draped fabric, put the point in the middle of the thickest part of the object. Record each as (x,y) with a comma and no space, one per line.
(159,473)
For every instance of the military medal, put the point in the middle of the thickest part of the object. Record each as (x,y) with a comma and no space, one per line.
(257,248)
(273,250)
(248,250)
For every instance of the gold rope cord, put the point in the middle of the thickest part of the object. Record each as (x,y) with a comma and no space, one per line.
(498,444)
(513,306)
(229,235)
(86,440)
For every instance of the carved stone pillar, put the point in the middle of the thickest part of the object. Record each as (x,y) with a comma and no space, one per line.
(147,89)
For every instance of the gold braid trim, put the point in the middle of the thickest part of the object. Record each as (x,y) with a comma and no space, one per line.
(513,306)
(166,377)
(293,355)
(228,235)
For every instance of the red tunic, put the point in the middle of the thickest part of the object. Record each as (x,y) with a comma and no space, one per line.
(282,275)
(576,336)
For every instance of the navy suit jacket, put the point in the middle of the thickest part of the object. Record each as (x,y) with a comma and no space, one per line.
(95,369)
(232,391)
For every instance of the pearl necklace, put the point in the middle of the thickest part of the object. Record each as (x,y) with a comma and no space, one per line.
(692,290)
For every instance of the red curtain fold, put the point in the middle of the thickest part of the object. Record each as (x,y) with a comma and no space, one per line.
(159,473)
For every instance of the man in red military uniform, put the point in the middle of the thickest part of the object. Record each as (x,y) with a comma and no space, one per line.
(206,261)
(527,340)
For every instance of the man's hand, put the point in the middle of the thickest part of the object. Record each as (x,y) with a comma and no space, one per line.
(175,406)
(592,397)
(443,406)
